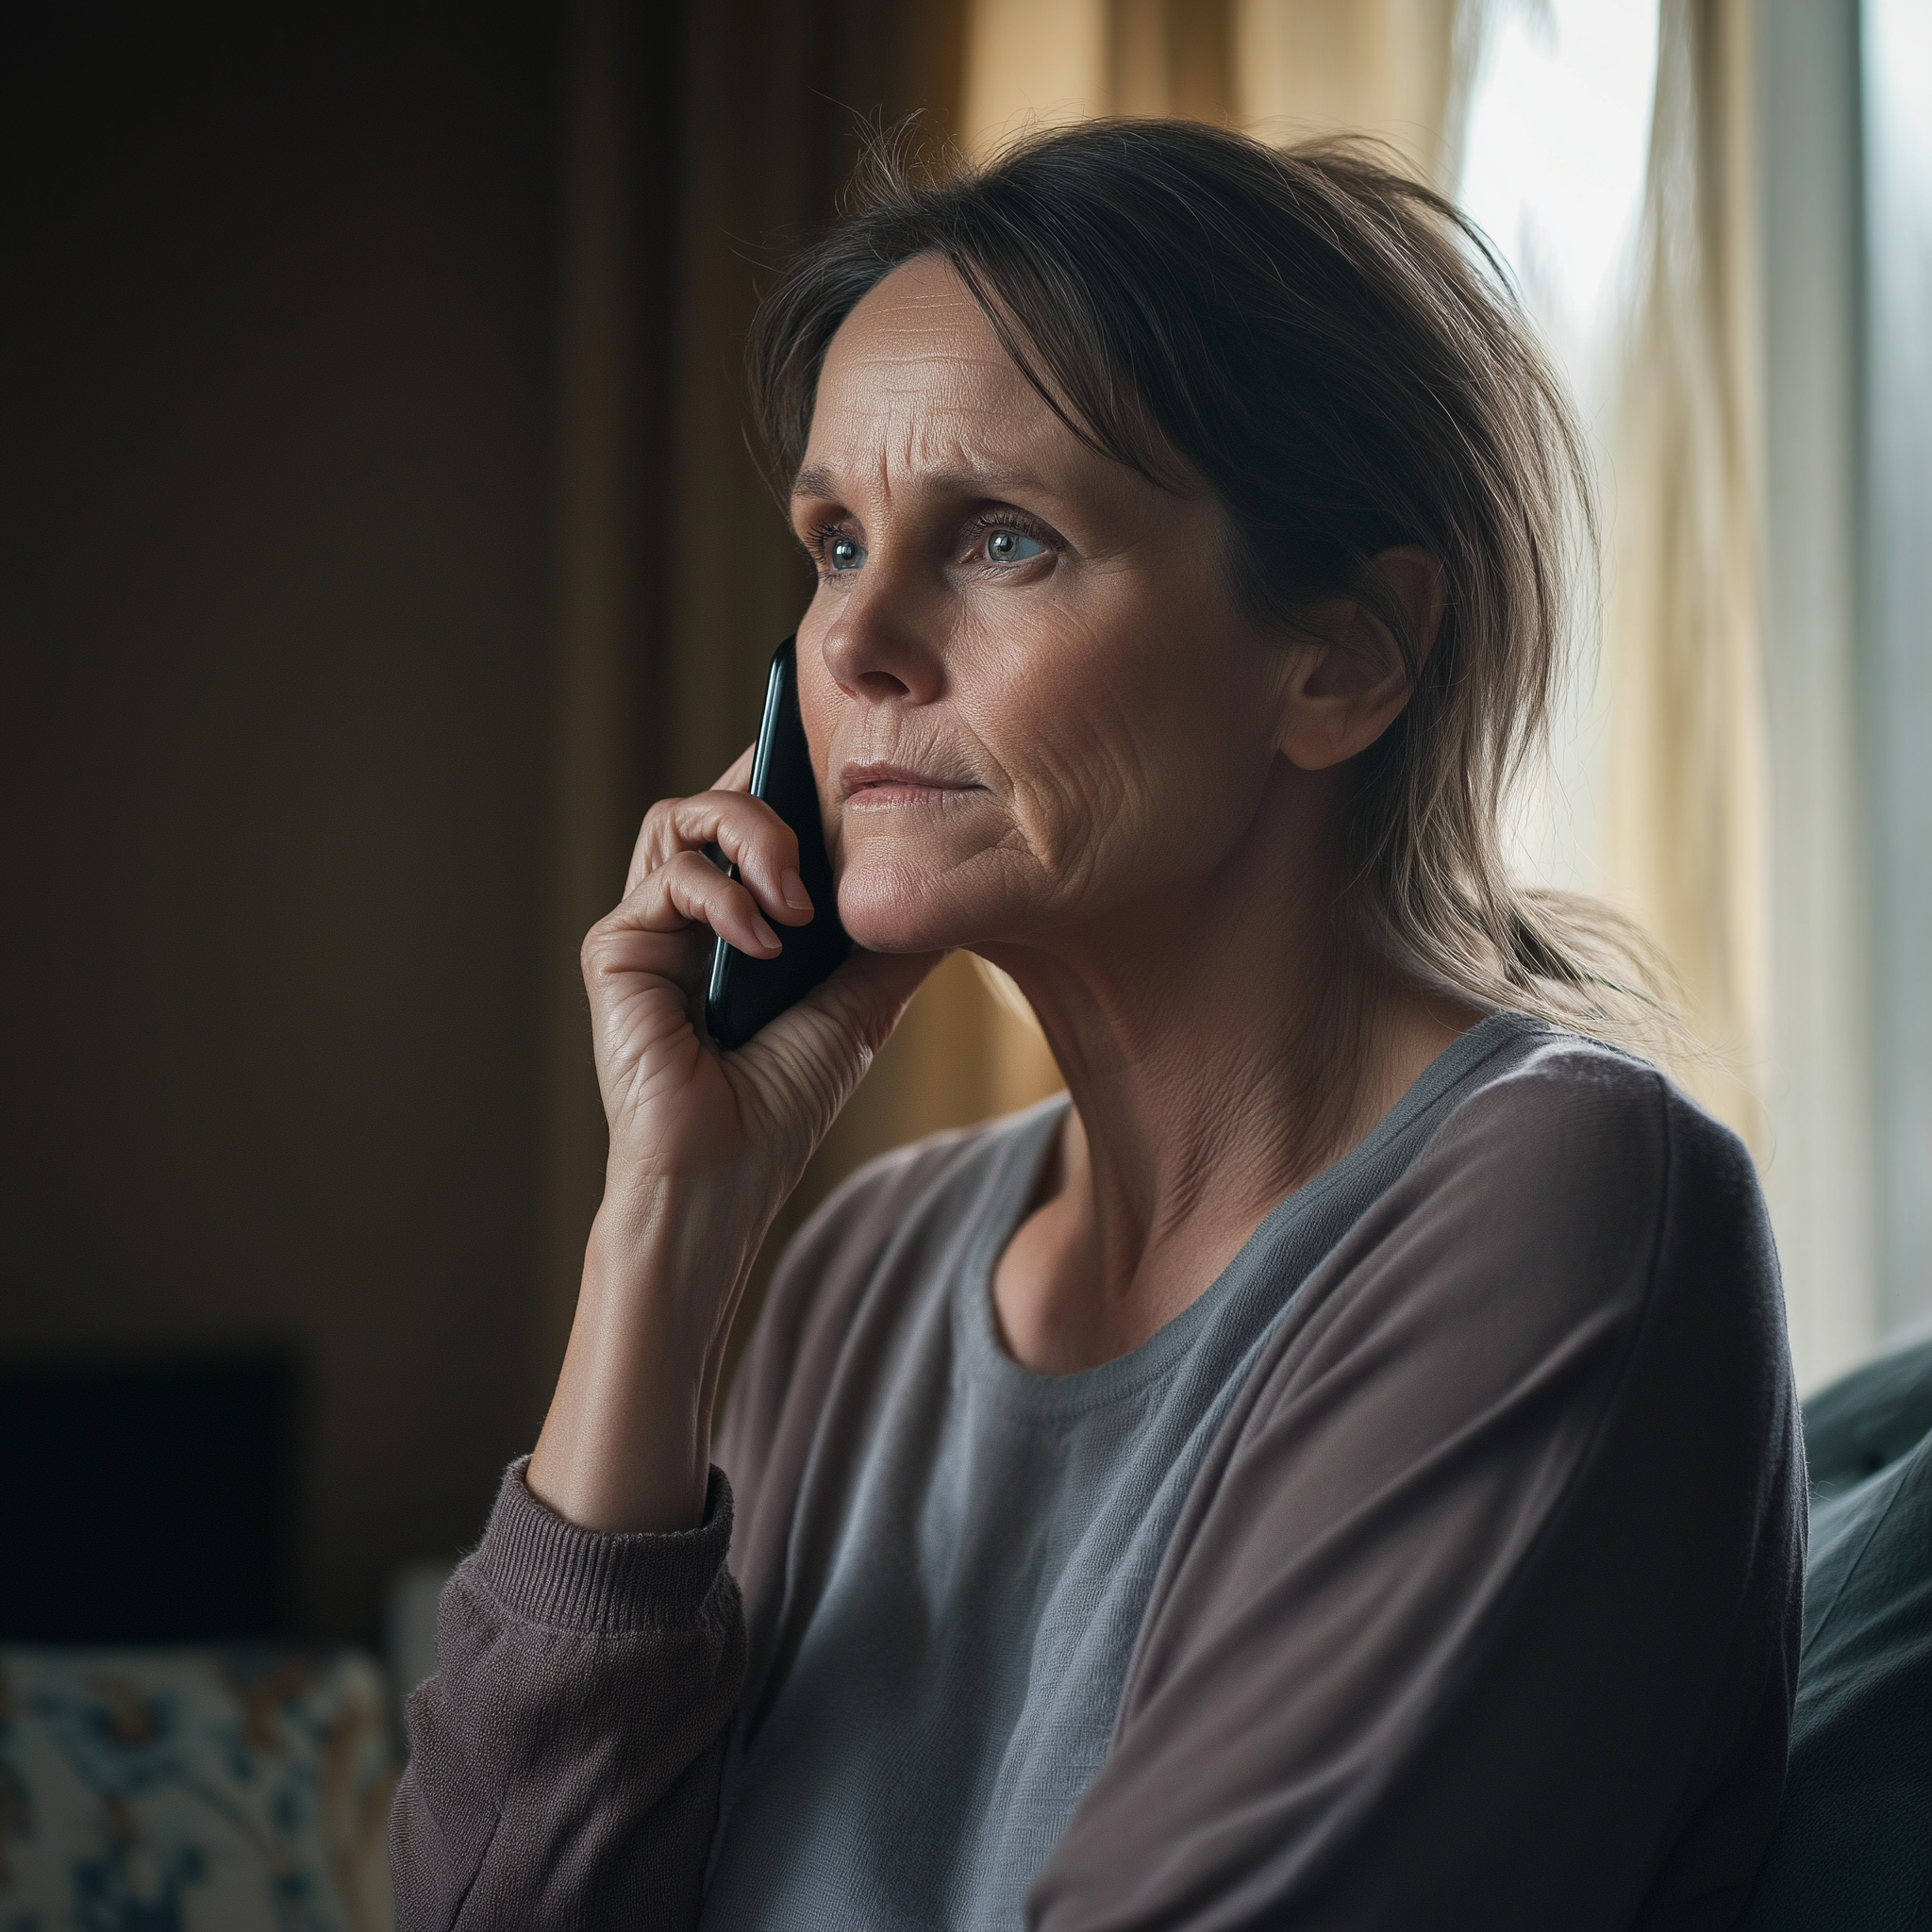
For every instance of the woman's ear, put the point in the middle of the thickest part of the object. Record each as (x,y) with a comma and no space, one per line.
(1348,683)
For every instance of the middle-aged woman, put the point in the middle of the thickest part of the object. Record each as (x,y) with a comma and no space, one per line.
(1335,1468)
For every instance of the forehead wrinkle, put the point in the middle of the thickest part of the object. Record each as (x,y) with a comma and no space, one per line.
(933,383)
(925,359)
(892,335)
(925,298)
(917,391)
(938,446)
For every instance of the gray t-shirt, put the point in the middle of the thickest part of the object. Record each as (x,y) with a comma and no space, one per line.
(956,1688)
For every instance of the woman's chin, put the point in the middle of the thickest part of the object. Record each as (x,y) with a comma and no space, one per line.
(891,909)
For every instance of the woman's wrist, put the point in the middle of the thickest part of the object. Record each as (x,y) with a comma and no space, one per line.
(627,1445)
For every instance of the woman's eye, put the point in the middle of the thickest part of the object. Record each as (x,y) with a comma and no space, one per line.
(1012,546)
(846,554)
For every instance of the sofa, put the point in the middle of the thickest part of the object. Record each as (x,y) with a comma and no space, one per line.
(1853,1849)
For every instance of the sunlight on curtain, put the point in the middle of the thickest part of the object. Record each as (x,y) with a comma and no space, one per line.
(1608,158)
(1558,129)
(1686,806)
(1611,182)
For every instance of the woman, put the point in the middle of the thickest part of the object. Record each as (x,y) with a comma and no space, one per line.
(1340,1468)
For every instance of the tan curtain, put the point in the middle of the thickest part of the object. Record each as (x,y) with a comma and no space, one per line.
(1286,69)
(1686,810)
(1384,68)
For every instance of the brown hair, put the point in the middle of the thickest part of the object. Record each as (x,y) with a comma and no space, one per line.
(1333,348)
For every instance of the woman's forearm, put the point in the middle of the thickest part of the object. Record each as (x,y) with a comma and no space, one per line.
(626,1443)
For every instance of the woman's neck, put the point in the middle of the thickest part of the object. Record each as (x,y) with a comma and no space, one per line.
(1220,1049)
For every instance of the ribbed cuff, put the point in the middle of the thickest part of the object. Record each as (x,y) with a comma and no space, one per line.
(547,1571)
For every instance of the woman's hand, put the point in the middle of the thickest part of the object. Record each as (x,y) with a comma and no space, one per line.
(704,1146)
(678,1110)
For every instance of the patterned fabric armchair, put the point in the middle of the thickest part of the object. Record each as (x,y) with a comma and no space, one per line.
(193,1791)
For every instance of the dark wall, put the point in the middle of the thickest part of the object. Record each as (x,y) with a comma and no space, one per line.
(277,380)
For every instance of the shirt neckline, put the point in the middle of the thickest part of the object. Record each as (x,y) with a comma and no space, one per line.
(1047,1396)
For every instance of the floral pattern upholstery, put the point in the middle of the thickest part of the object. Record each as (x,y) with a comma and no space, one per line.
(193,1791)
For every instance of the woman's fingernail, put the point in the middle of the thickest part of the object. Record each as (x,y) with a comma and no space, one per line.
(795,894)
(766,936)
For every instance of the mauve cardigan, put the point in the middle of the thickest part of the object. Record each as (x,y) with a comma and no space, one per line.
(1482,1611)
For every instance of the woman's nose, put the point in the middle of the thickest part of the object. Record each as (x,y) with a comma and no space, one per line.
(878,646)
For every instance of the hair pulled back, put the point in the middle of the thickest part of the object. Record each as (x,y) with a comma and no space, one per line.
(1333,350)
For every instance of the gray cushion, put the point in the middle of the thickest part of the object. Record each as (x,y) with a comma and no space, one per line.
(1853,1849)
(1868,1420)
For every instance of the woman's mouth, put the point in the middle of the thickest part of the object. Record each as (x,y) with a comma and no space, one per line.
(869,786)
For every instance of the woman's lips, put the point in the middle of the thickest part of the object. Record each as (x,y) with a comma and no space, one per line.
(868,786)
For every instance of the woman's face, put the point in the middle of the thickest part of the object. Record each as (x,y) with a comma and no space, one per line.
(1031,698)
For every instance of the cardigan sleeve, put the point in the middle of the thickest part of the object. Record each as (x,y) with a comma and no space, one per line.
(565,1758)
(1485,1611)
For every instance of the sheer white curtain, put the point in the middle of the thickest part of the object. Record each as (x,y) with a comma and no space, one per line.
(1609,157)
(1686,806)
(1556,135)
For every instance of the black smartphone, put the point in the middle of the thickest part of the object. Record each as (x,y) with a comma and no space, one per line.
(747,993)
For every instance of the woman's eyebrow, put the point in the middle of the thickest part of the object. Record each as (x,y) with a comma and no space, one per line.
(814,479)
(988,482)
